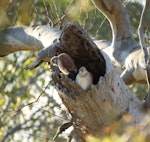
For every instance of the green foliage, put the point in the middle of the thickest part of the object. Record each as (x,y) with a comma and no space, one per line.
(26,109)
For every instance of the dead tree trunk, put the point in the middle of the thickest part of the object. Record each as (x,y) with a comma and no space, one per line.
(106,100)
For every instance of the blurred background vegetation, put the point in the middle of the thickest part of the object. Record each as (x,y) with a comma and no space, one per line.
(30,109)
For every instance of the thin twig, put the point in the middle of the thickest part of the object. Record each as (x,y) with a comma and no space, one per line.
(31,103)
(144,49)
(48,15)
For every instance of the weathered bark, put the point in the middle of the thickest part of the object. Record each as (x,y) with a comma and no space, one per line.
(122,39)
(33,38)
(106,100)
(124,48)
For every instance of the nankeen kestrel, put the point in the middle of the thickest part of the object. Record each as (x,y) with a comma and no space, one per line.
(64,62)
(84,78)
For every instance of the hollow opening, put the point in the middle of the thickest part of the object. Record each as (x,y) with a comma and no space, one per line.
(75,42)
(89,57)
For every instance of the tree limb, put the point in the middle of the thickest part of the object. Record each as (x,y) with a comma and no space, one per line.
(32,38)
(124,48)
(145,50)
(122,41)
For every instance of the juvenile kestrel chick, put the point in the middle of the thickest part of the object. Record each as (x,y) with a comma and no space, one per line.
(84,78)
(64,62)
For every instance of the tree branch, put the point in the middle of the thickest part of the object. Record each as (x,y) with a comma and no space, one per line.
(117,16)
(120,24)
(26,38)
(142,23)
(145,50)
(124,48)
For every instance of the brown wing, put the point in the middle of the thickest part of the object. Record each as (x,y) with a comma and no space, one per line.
(67,62)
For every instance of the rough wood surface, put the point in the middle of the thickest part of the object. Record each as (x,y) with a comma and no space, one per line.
(124,49)
(33,38)
(108,97)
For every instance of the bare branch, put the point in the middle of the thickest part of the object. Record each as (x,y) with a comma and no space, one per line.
(62,128)
(117,17)
(26,38)
(145,50)
(140,32)
(123,42)
(142,23)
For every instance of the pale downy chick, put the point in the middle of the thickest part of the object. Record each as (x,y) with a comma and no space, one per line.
(84,78)
(65,64)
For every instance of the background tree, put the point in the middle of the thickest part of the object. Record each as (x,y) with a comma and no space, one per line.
(16,85)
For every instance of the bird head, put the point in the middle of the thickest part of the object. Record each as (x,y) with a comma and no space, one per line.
(82,70)
(54,61)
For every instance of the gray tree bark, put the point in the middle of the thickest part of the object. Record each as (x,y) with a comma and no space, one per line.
(108,97)
(124,48)
(106,100)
